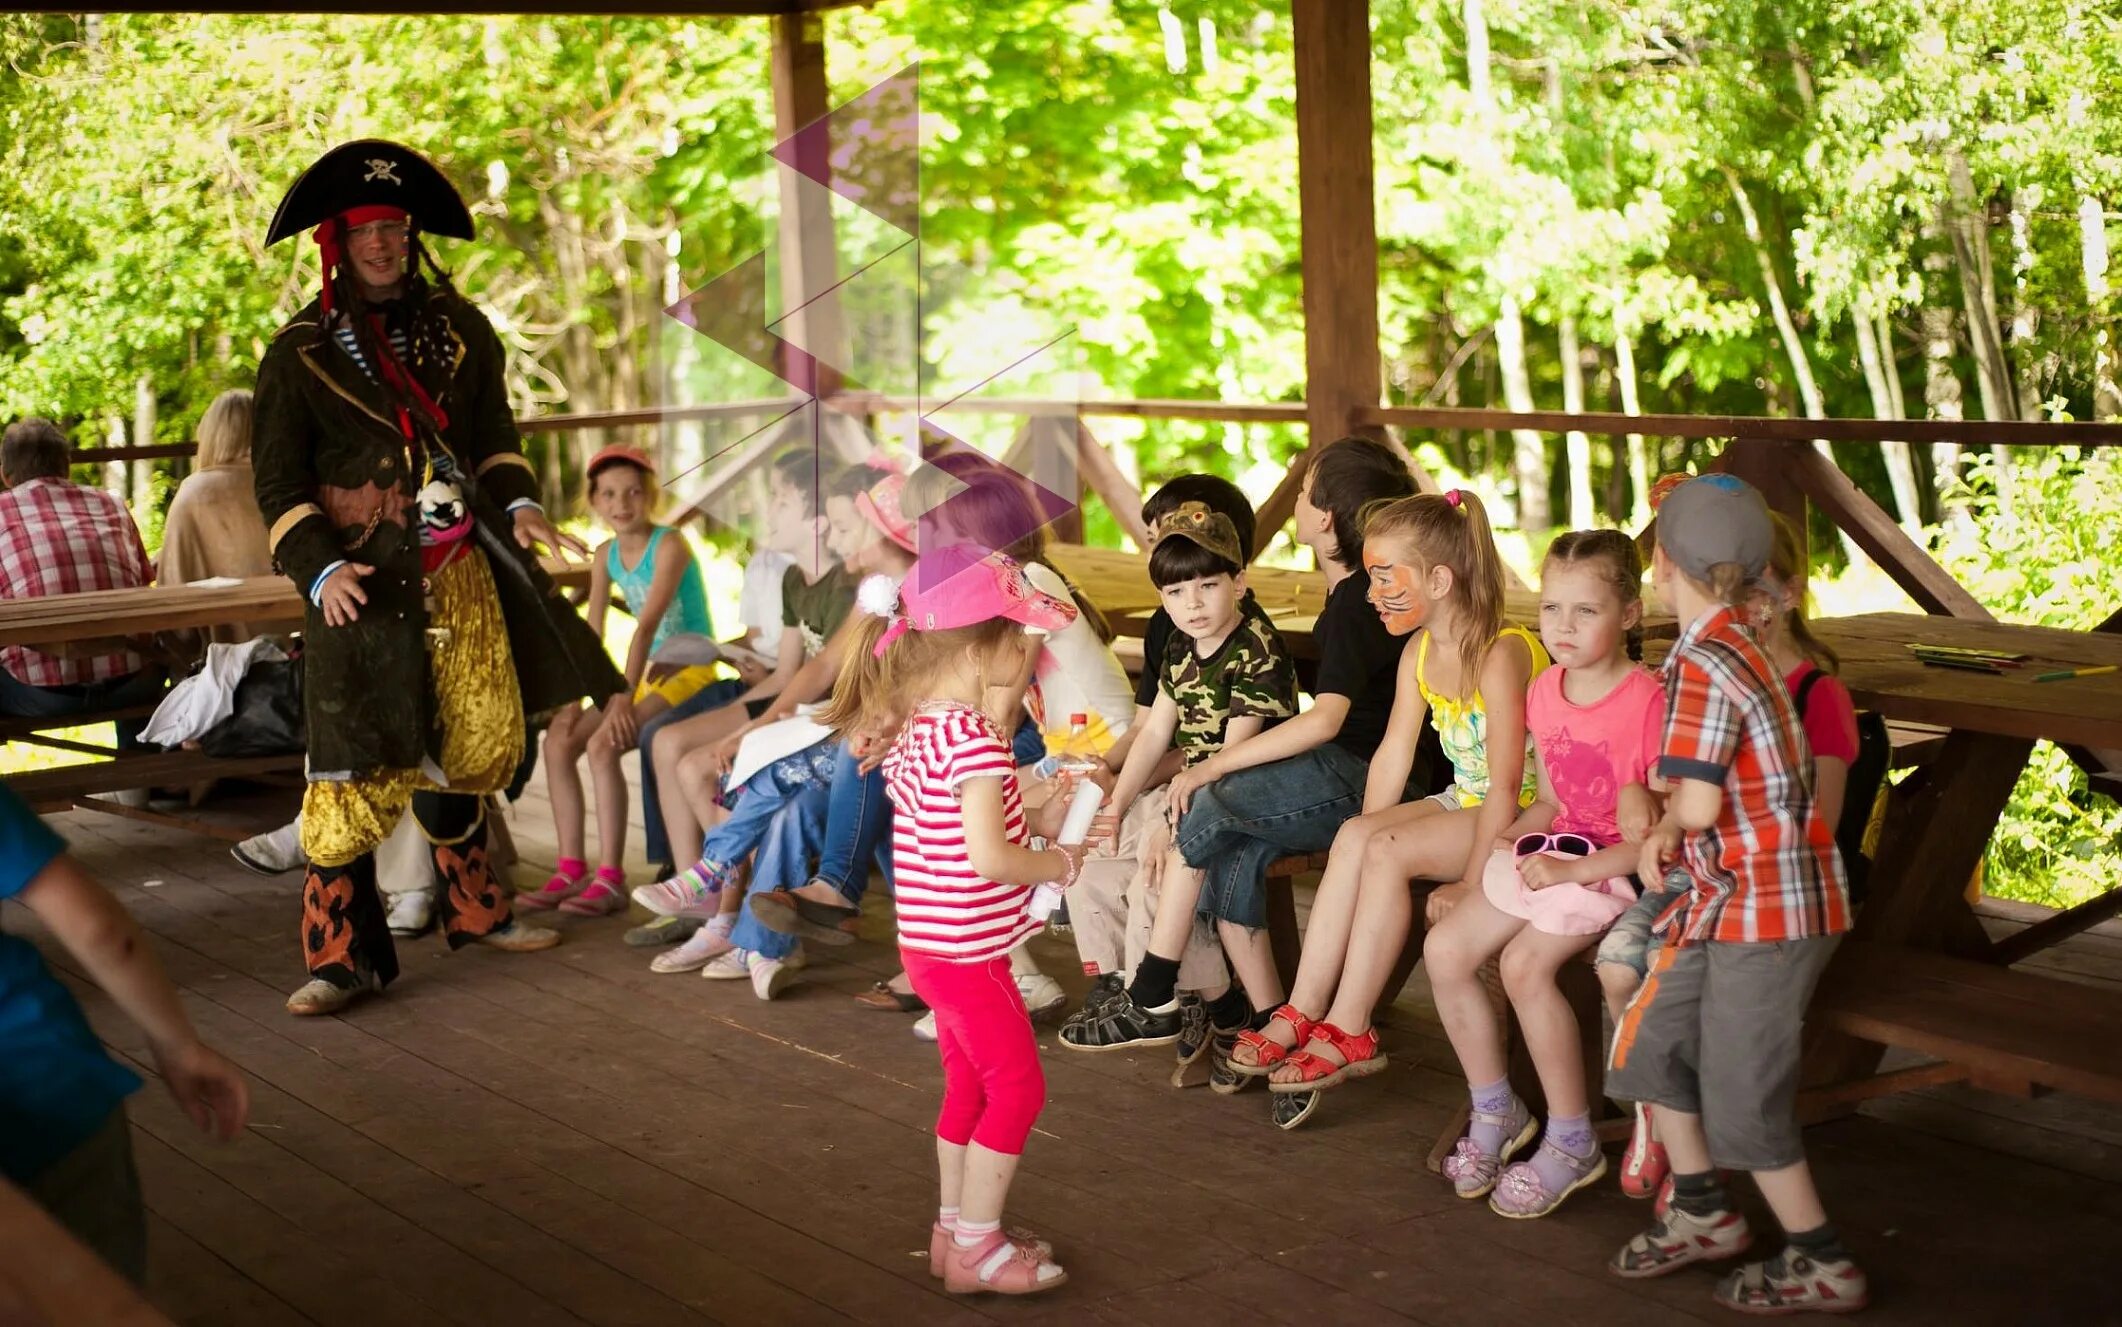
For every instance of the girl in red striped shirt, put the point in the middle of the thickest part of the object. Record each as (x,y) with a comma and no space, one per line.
(921,667)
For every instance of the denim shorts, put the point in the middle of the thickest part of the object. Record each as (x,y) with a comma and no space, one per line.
(1628,941)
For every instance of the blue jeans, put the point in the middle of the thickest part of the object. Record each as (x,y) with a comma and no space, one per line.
(793,827)
(1237,826)
(858,826)
(713,696)
(20,700)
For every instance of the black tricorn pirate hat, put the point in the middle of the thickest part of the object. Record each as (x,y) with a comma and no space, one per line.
(367,172)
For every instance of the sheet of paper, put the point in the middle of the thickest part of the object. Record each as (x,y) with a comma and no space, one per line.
(763,746)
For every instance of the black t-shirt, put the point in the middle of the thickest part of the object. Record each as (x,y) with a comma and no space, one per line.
(1359,659)
(1156,640)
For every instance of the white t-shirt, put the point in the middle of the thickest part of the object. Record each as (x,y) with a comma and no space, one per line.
(759,604)
(1077,672)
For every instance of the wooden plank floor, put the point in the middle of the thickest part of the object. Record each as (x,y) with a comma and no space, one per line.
(568,1138)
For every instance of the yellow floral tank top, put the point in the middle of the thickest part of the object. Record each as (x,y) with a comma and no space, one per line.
(1462,726)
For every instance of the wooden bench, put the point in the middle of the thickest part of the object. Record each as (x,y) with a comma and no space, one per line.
(2001,1029)
(72,787)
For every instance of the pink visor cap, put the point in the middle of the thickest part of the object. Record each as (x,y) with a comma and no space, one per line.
(960,585)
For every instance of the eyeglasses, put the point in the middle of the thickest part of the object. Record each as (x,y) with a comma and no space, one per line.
(387,230)
(1566,845)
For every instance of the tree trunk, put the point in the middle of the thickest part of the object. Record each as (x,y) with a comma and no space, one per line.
(1900,467)
(1639,475)
(1528,448)
(1942,392)
(1968,226)
(141,471)
(2092,248)
(1579,447)
(1801,365)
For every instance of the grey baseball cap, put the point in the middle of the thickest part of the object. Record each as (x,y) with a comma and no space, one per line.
(1712,520)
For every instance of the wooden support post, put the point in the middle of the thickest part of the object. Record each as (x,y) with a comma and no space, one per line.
(1105,479)
(809,308)
(1879,535)
(1338,222)
(1767,466)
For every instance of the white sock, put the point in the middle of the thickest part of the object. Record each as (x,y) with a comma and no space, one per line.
(722,923)
(966,1234)
(947,1217)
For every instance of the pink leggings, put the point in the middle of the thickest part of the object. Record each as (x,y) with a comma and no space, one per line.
(993,1087)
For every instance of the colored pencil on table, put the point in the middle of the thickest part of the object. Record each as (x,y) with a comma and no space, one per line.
(2063,673)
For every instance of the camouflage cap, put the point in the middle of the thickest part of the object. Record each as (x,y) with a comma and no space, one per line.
(1194,521)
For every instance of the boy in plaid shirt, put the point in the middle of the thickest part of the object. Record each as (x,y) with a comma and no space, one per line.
(1712,1037)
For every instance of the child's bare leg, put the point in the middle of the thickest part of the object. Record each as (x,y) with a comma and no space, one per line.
(1789,1191)
(1454,953)
(1531,963)
(697,773)
(1429,847)
(610,781)
(1178,891)
(564,740)
(986,1186)
(950,1168)
(1686,1145)
(1333,914)
(1252,959)
(681,829)
(1619,983)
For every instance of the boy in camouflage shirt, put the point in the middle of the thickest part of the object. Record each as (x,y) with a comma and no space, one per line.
(1225,675)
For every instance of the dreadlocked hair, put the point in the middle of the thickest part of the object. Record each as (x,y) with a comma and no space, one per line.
(1451,531)
(874,694)
(1623,567)
(1791,562)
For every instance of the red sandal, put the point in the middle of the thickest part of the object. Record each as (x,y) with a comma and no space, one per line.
(1265,1054)
(1360,1058)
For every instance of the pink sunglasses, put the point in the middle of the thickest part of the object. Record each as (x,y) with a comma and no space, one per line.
(1568,845)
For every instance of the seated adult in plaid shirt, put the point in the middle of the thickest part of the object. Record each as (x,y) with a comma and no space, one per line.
(59,537)
(1712,1037)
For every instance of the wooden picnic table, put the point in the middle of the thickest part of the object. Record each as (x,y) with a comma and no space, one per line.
(1118,583)
(119,616)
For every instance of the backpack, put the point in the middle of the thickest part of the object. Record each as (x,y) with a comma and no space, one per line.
(1867,780)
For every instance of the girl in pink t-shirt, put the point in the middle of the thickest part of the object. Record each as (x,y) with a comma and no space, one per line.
(1559,877)
(920,668)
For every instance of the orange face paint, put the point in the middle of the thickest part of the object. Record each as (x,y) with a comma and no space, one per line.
(1397,593)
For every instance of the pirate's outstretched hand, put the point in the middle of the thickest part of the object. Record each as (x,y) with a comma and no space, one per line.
(533,529)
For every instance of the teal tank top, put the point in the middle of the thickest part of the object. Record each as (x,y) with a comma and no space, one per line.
(687,612)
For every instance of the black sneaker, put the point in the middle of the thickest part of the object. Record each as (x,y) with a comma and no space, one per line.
(1121,1023)
(1192,1046)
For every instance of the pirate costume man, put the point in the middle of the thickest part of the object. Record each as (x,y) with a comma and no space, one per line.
(392,478)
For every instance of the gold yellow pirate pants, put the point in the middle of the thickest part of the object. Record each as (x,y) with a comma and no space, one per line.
(478,705)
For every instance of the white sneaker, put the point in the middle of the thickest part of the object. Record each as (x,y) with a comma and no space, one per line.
(700,948)
(773,976)
(925,1026)
(412,913)
(732,966)
(272,852)
(1042,994)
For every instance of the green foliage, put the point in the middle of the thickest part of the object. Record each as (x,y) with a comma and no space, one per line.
(2049,557)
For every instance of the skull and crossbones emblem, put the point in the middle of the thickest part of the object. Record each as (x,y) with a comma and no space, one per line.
(380,169)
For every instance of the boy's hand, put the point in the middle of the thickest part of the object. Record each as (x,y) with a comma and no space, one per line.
(749,671)
(1635,811)
(1661,847)
(211,1090)
(1179,793)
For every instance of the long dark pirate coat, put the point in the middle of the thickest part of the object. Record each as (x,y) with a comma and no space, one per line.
(337,478)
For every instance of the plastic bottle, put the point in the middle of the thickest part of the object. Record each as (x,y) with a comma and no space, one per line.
(1079,754)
